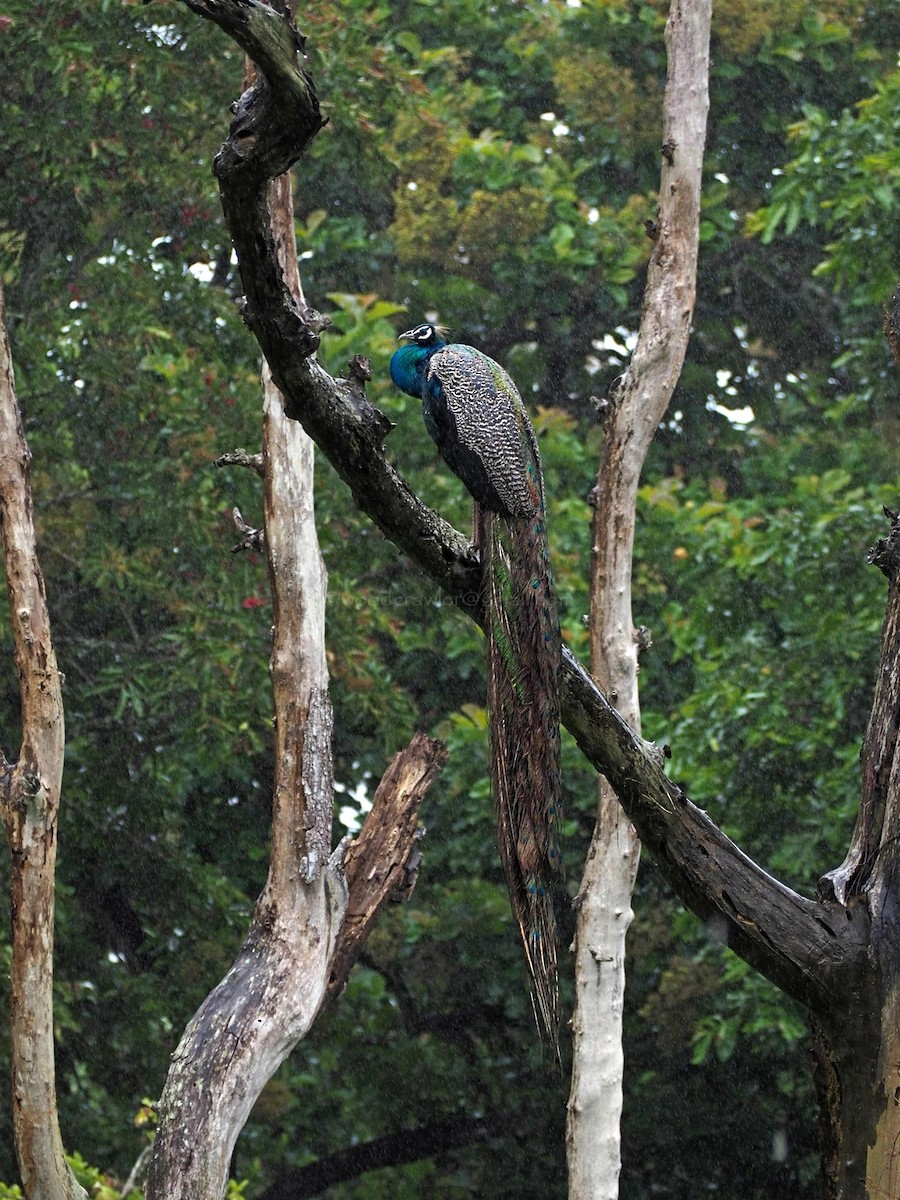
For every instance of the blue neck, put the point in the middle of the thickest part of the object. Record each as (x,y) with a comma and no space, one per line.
(408,365)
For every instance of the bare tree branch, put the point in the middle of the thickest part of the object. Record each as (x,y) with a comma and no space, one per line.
(812,950)
(381,862)
(891,313)
(29,804)
(878,823)
(249,1023)
(636,407)
(240,458)
(251,538)
(409,1145)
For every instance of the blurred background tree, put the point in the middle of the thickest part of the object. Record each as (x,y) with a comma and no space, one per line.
(496,167)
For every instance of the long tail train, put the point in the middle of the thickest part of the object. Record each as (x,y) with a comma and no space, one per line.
(473,411)
(523,643)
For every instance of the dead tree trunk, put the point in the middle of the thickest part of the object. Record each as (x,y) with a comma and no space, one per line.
(29,804)
(634,412)
(267,1002)
(297,954)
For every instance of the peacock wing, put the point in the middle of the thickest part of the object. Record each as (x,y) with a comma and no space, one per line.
(481,428)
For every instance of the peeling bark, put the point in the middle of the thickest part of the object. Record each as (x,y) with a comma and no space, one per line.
(383,860)
(29,804)
(249,1023)
(298,953)
(637,406)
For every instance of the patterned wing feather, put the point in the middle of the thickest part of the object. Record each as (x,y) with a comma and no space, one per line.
(483,430)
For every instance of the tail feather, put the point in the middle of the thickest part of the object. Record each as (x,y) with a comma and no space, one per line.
(523,701)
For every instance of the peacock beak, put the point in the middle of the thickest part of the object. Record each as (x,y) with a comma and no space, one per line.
(408,334)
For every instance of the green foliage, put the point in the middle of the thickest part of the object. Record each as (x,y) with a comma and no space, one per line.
(770,681)
(845,177)
(96,1184)
(753,1009)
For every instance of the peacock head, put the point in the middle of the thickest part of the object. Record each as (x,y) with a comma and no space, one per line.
(427,336)
(409,363)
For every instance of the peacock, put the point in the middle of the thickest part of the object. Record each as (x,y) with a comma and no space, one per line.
(475,414)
